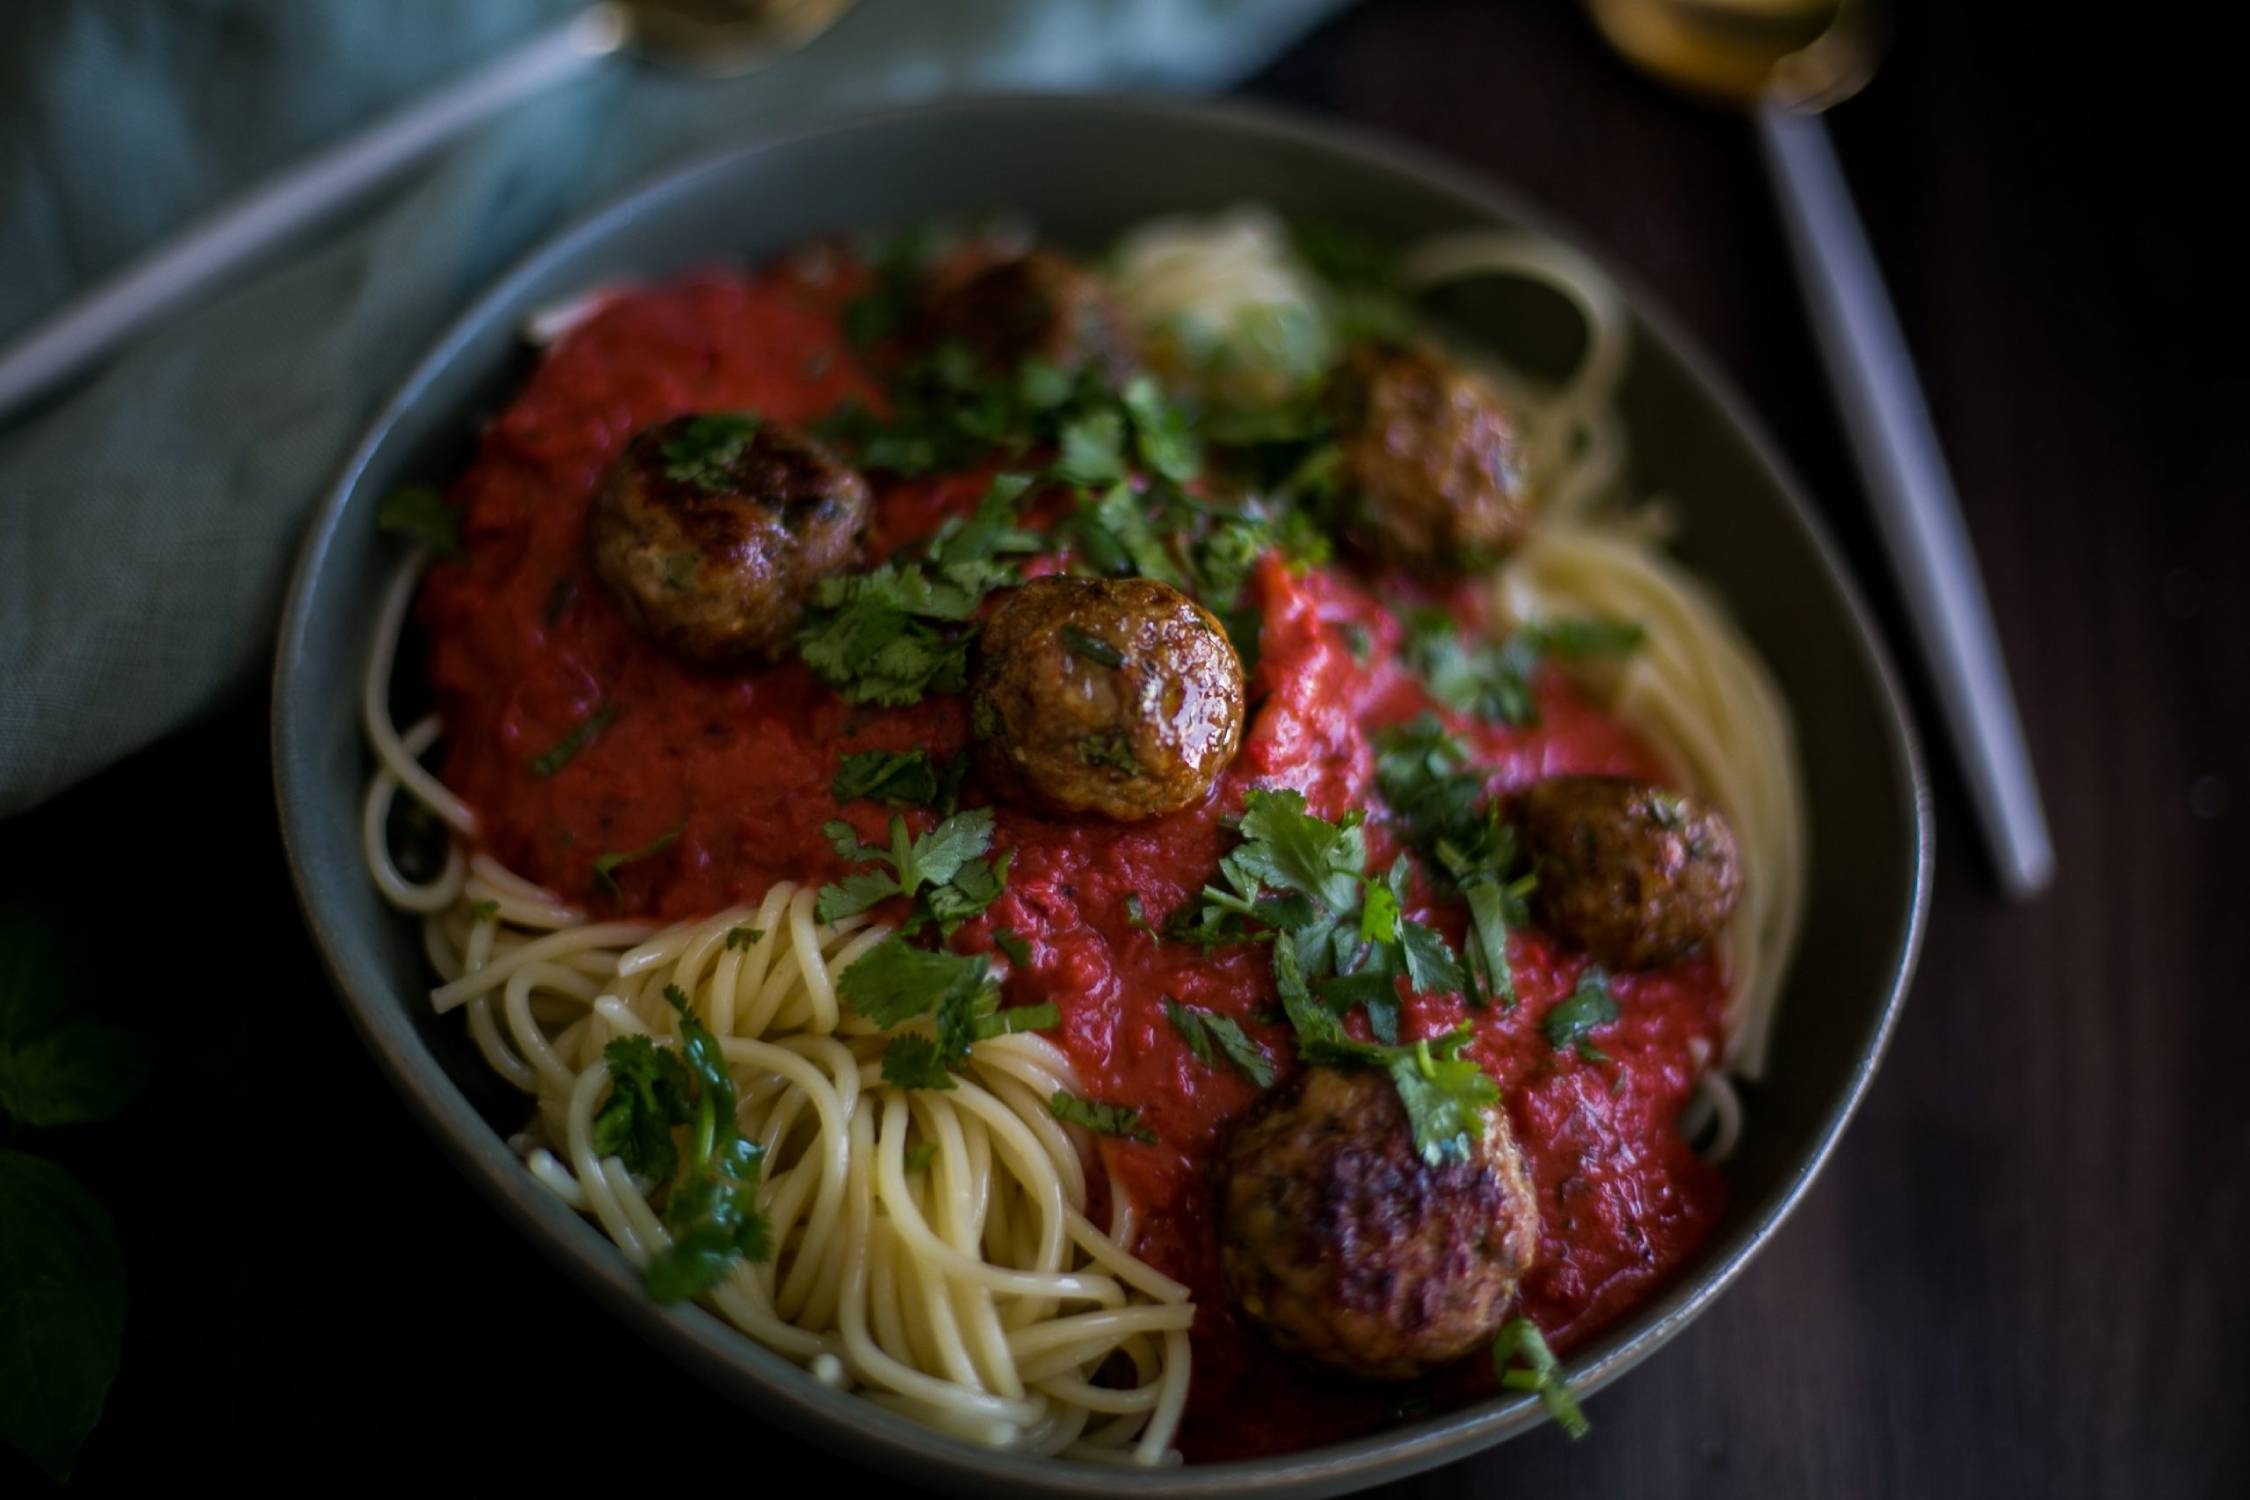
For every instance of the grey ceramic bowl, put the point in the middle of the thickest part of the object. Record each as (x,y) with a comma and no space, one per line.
(1083,168)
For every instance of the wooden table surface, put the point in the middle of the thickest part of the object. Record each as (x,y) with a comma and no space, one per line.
(2018,1275)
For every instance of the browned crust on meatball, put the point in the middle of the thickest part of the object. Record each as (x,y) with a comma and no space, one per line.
(1428,459)
(1061,727)
(1039,305)
(1635,874)
(714,560)
(1346,1246)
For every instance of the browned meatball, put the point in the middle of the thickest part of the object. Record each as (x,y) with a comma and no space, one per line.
(1121,697)
(1036,306)
(1347,1247)
(1636,875)
(711,531)
(1428,459)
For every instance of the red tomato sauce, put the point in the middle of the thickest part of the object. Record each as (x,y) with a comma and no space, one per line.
(734,769)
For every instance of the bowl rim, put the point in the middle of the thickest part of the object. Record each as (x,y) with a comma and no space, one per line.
(777,1389)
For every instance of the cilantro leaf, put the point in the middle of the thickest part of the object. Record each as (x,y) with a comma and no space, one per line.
(894,779)
(944,859)
(1093,450)
(650,1093)
(1573,1020)
(1495,680)
(1102,1119)
(894,981)
(419,514)
(606,866)
(1160,432)
(710,1207)
(703,450)
(1210,1035)
(1520,1339)
(579,737)
(1447,1096)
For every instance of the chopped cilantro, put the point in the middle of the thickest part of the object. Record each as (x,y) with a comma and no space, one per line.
(1519,1340)
(1109,751)
(1494,679)
(702,452)
(1574,1019)
(744,938)
(1011,942)
(1090,647)
(1160,432)
(895,982)
(920,1155)
(419,513)
(710,1201)
(899,631)
(1210,1035)
(607,865)
(580,736)
(895,779)
(1102,1119)
(485,911)
(945,860)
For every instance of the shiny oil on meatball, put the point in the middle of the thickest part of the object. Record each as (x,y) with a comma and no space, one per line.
(1346,1246)
(1036,306)
(711,530)
(1121,697)
(1428,459)
(1636,875)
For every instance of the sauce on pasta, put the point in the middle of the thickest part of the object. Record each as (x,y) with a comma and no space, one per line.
(726,778)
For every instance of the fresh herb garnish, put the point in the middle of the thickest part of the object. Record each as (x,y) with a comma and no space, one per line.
(1110,752)
(940,870)
(1136,915)
(703,452)
(1520,1340)
(607,865)
(578,738)
(1102,1119)
(1211,1036)
(711,1202)
(1090,647)
(919,1156)
(900,631)
(1011,942)
(1496,679)
(895,982)
(487,910)
(1440,803)
(896,779)
(744,938)
(420,515)
(1574,1019)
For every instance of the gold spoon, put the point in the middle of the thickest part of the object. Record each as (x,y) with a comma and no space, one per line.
(1785,61)
(711,38)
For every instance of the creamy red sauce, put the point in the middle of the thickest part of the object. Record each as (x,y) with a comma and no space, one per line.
(736,768)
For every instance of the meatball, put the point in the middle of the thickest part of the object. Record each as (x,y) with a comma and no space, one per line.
(1120,697)
(1636,875)
(1037,306)
(1346,1246)
(1428,459)
(711,531)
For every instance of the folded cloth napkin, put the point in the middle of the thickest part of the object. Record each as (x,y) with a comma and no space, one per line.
(147,520)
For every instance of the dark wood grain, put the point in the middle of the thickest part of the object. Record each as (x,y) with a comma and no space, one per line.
(2018,1276)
